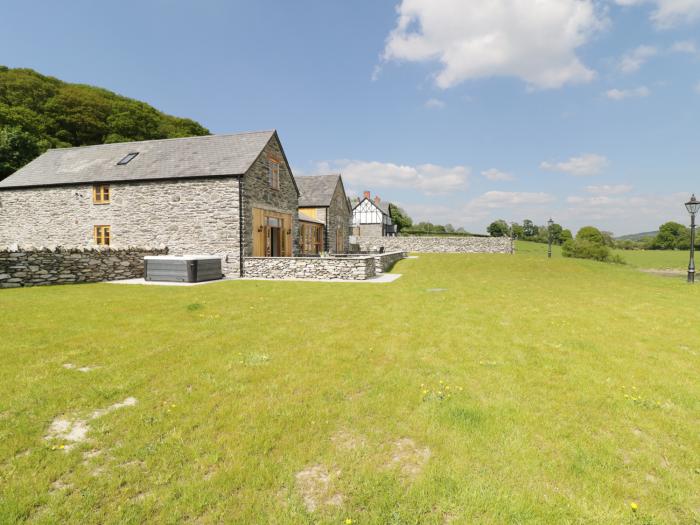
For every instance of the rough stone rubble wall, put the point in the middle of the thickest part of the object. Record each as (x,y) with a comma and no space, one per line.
(438,244)
(195,216)
(258,194)
(351,269)
(385,261)
(41,267)
(357,268)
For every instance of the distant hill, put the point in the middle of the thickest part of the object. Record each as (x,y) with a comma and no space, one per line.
(39,112)
(636,236)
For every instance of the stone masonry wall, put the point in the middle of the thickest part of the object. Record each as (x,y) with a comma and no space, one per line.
(339,216)
(194,216)
(438,244)
(258,194)
(345,268)
(372,231)
(385,261)
(41,267)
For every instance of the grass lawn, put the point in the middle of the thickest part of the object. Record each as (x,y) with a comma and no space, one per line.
(650,259)
(573,391)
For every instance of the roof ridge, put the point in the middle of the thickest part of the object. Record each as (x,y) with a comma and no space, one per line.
(165,140)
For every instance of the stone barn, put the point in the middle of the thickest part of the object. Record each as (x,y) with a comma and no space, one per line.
(322,201)
(228,195)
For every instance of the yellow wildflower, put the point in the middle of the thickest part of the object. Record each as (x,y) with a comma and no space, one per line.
(348,521)
(634,506)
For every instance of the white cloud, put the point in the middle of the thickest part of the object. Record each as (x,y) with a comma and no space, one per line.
(583,166)
(497,175)
(429,179)
(622,94)
(669,13)
(624,214)
(434,103)
(684,46)
(535,40)
(607,189)
(505,199)
(635,59)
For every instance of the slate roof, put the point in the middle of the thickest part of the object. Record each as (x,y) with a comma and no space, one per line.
(207,156)
(316,190)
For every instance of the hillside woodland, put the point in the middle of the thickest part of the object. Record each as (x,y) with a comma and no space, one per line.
(38,112)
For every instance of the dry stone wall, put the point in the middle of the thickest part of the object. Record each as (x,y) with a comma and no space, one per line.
(61,266)
(345,268)
(384,262)
(438,244)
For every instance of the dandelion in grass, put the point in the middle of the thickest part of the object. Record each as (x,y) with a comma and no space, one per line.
(634,506)
(348,521)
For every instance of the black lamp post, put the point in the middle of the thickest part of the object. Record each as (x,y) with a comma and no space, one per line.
(693,205)
(550,223)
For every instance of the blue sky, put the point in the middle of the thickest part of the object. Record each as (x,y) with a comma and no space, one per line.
(461,111)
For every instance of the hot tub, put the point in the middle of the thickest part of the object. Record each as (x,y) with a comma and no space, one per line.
(182,269)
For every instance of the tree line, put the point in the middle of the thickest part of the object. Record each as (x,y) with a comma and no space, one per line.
(39,112)
(529,231)
(671,236)
(406,226)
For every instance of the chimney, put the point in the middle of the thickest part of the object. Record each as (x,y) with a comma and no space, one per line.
(367,194)
(377,200)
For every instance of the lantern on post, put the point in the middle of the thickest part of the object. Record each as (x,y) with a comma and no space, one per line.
(693,205)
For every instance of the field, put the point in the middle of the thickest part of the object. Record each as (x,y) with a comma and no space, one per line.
(648,259)
(474,389)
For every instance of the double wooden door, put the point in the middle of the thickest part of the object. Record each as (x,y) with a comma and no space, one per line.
(272,233)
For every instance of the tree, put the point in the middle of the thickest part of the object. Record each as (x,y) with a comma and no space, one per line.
(671,236)
(590,234)
(399,217)
(39,112)
(449,228)
(517,231)
(498,228)
(608,239)
(529,229)
(17,147)
(566,235)
(556,231)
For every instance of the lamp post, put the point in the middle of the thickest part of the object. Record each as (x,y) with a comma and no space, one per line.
(693,205)
(550,223)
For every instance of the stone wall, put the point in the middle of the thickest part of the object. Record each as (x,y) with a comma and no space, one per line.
(438,244)
(372,231)
(258,194)
(338,221)
(61,266)
(193,216)
(345,268)
(385,261)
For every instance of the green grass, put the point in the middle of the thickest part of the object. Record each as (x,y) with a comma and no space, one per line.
(648,259)
(574,391)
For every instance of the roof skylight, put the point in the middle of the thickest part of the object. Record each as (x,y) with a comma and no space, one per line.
(127,159)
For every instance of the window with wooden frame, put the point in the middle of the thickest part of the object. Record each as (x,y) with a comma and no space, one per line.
(102,235)
(273,173)
(100,194)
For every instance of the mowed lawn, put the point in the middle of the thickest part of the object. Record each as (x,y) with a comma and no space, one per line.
(574,391)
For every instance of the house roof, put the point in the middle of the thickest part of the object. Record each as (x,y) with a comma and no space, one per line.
(307,218)
(207,156)
(383,206)
(316,190)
